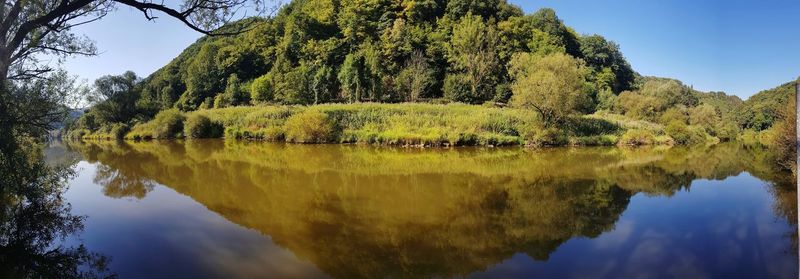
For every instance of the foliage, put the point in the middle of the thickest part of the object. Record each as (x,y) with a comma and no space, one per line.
(637,137)
(604,57)
(114,98)
(784,139)
(654,98)
(685,135)
(554,85)
(168,124)
(547,137)
(309,127)
(473,54)
(198,126)
(416,79)
(235,94)
(261,90)
(761,111)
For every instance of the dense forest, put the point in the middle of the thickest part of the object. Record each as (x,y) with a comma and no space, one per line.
(547,83)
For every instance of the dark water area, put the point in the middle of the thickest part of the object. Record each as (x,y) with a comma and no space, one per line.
(216,209)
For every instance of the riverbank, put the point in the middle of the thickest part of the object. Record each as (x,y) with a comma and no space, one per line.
(393,124)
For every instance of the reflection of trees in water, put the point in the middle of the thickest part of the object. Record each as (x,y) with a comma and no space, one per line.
(117,184)
(369,212)
(35,219)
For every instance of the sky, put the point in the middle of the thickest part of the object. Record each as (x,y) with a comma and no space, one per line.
(736,46)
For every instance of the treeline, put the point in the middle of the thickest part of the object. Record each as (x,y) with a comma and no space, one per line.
(434,51)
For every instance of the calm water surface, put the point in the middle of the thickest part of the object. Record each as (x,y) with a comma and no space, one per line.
(211,209)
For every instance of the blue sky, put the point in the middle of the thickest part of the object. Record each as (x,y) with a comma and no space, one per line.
(736,46)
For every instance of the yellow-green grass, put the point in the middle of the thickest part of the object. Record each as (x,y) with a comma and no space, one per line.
(406,124)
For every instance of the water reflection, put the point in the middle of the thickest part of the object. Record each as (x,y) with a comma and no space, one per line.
(35,219)
(358,212)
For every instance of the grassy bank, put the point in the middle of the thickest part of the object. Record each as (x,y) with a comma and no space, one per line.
(391,124)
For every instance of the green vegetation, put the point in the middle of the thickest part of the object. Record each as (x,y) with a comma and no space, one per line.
(309,127)
(782,137)
(198,126)
(536,80)
(637,137)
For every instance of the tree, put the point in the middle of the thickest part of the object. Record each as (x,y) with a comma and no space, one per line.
(235,94)
(553,85)
(261,90)
(351,77)
(705,116)
(785,140)
(416,78)
(655,97)
(324,84)
(30,29)
(484,8)
(114,98)
(473,53)
(602,55)
(204,79)
(547,21)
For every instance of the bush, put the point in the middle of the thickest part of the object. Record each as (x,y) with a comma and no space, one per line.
(588,126)
(685,135)
(199,126)
(548,137)
(310,126)
(602,140)
(118,131)
(456,89)
(261,90)
(637,137)
(168,124)
(78,133)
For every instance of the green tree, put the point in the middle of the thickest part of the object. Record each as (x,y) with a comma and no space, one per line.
(416,79)
(473,53)
(352,78)
(261,90)
(235,94)
(706,117)
(553,85)
(324,84)
(203,78)
(114,98)
(602,55)
(547,21)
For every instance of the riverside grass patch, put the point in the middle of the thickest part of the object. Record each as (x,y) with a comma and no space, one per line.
(406,124)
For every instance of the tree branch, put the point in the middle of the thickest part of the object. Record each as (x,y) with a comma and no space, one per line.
(181,16)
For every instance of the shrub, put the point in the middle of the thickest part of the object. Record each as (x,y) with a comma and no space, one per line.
(637,137)
(548,137)
(78,133)
(588,126)
(602,140)
(685,135)
(456,89)
(261,90)
(199,126)
(749,137)
(118,131)
(784,137)
(168,124)
(310,126)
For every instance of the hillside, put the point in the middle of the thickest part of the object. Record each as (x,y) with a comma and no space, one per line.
(433,51)
(761,111)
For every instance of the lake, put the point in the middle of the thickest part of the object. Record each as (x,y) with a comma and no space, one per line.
(216,209)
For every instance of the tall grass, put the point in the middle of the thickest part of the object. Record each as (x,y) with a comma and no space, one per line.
(408,124)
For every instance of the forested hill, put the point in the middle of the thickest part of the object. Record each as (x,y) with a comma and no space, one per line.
(762,110)
(317,51)
(551,81)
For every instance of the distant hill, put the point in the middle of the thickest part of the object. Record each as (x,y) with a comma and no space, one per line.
(760,111)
